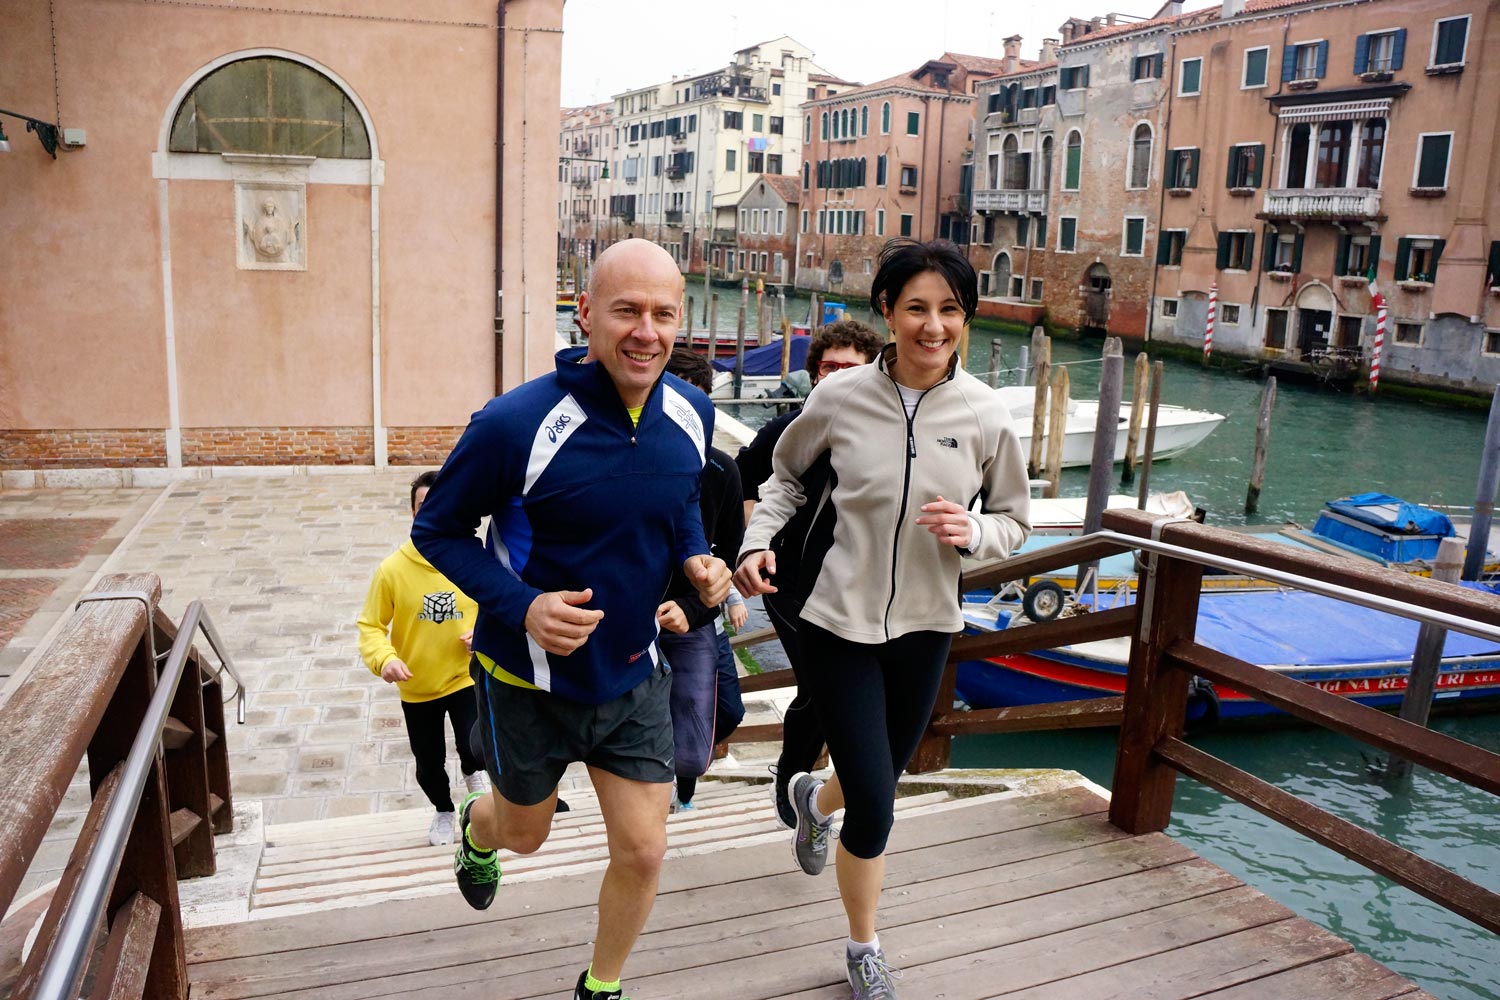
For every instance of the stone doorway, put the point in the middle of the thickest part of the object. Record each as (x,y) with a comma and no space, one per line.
(1097,289)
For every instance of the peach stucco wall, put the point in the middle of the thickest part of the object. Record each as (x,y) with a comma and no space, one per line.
(83,317)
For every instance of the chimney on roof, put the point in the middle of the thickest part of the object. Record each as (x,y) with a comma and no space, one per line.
(1231,7)
(1109,19)
(1067,31)
(1049,50)
(1013,53)
(1172,8)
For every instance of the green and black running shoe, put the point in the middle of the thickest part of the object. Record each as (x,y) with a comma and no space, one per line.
(477,872)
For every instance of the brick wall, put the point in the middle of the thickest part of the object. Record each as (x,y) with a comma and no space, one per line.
(82,449)
(420,445)
(277,446)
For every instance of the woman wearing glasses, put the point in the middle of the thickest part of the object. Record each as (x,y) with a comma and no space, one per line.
(914,442)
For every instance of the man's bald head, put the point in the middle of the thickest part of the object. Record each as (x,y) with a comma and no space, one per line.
(632,260)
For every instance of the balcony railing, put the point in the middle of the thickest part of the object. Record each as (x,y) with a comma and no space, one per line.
(676,173)
(1322,203)
(581,182)
(673,216)
(1002,200)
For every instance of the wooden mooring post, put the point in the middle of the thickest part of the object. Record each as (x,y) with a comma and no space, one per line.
(786,345)
(995,362)
(1484,501)
(1102,462)
(1262,442)
(739,349)
(1157,371)
(1041,352)
(1057,430)
(690,321)
(1137,413)
(1427,660)
(712,349)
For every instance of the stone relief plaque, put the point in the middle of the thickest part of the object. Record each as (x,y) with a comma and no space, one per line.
(271,226)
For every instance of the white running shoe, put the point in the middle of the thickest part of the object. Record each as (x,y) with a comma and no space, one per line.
(476,782)
(440,831)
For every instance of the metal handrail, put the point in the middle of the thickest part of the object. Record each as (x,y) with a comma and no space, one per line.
(65,962)
(225,664)
(1402,609)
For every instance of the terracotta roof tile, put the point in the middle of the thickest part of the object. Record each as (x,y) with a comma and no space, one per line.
(785,185)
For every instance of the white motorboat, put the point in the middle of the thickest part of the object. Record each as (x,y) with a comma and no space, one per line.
(1177,427)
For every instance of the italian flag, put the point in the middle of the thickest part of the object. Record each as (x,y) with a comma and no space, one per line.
(1375,298)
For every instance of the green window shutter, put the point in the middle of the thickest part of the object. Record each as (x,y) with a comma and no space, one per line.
(1362,53)
(1249,249)
(1259,151)
(1341,256)
(1437,255)
(1492,279)
(1192,168)
(1297,254)
(1234,161)
(1432,170)
(1403,258)
(1163,249)
(1157,68)
(1375,253)
(1268,255)
(1223,259)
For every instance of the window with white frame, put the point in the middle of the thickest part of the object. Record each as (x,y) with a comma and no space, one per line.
(1067,234)
(1450,41)
(1036,289)
(780,221)
(1492,341)
(1377,51)
(1139,175)
(906,225)
(1190,77)
(1133,243)
(1169,308)
(804,220)
(1284,251)
(1255,68)
(1230,314)
(1307,61)
(1431,172)
(880,222)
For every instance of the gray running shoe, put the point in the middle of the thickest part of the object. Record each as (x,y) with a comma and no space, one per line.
(811,843)
(870,977)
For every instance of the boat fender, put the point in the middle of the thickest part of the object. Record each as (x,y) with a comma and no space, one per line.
(1202,705)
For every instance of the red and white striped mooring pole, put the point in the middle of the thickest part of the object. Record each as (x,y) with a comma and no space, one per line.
(1213,311)
(1378,301)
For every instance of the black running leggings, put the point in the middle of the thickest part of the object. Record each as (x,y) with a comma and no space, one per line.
(874,701)
(424,729)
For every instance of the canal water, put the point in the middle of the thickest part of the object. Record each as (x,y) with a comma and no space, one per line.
(1324,444)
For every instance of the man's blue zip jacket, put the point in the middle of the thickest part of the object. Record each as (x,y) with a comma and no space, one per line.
(577,498)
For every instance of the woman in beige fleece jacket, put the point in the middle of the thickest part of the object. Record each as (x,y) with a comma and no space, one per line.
(927,469)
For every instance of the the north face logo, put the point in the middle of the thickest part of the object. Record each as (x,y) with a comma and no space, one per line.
(440,607)
(948,442)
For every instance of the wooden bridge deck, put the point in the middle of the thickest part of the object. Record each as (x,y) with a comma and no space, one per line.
(1035,897)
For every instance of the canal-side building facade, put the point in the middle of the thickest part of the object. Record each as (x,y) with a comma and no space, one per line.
(585,145)
(765,245)
(1335,138)
(688,149)
(883,160)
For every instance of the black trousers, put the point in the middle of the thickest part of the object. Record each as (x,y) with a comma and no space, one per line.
(874,701)
(424,730)
(802,733)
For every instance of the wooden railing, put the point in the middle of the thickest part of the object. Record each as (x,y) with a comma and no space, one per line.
(1164,656)
(110,689)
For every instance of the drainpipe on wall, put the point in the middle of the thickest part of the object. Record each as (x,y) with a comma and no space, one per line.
(1270,174)
(1161,205)
(499,193)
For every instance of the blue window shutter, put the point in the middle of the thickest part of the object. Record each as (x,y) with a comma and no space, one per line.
(1398,49)
(1288,64)
(1362,54)
(1322,70)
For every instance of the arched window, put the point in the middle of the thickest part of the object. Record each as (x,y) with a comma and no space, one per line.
(864,120)
(885,118)
(1140,158)
(825,127)
(1045,181)
(805,175)
(273,106)
(844,123)
(807,128)
(1015,177)
(860,178)
(1073,166)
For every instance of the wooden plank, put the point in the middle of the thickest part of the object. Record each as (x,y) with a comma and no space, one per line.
(174,734)
(1074,816)
(1035,563)
(1155,695)
(973,969)
(773,915)
(1083,714)
(1088,627)
(752,638)
(183,823)
(1468,763)
(62,895)
(127,954)
(1350,976)
(1449,890)
(768,732)
(1357,574)
(769,680)
(49,719)
(188,782)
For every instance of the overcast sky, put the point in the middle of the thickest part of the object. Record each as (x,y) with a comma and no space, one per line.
(610,46)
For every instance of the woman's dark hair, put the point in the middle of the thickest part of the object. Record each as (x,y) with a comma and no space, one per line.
(425,479)
(692,367)
(902,260)
(844,333)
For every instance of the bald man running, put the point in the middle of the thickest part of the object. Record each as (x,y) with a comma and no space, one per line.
(589,475)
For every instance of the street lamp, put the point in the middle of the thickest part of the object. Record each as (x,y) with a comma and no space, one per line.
(47,132)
